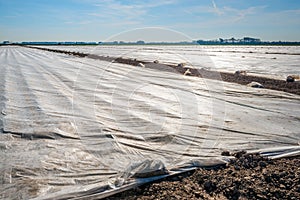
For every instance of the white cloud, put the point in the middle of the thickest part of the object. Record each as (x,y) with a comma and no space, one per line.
(215,8)
(126,15)
(240,14)
(295,12)
(225,14)
(132,10)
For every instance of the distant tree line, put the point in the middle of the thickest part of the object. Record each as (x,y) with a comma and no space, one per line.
(220,41)
(244,41)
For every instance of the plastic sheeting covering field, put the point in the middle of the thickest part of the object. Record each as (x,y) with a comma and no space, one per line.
(83,128)
(274,61)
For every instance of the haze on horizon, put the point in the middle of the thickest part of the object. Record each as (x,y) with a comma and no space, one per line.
(98,20)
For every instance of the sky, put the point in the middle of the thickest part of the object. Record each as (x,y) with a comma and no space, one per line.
(156,20)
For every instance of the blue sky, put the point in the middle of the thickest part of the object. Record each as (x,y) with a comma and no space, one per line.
(98,20)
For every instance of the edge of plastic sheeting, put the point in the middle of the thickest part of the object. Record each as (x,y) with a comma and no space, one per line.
(189,166)
(97,191)
(127,186)
(143,169)
(279,152)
